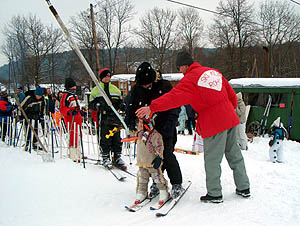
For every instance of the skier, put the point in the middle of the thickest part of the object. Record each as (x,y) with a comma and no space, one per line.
(150,86)
(34,107)
(107,120)
(70,111)
(149,157)
(211,96)
(278,133)
(5,112)
(241,136)
(182,119)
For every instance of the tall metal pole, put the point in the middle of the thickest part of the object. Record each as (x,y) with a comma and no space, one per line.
(85,64)
(95,37)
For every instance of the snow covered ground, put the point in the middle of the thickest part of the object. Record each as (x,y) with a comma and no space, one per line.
(63,193)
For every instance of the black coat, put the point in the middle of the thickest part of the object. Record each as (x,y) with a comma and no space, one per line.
(165,121)
(33,107)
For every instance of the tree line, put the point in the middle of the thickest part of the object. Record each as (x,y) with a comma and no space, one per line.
(245,41)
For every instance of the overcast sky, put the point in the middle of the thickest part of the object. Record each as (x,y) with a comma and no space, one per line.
(68,8)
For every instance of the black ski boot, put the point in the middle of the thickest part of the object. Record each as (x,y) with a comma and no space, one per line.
(154,191)
(211,199)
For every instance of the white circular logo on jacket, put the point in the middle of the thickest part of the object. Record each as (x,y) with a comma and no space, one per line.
(211,79)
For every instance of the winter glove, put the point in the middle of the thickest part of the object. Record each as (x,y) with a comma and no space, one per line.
(271,142)
(74,112)
(122,107)
(156,162)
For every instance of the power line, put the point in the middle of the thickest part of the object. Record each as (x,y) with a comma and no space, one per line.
(295,2)
(208,10)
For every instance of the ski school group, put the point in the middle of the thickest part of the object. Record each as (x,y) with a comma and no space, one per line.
(151,111)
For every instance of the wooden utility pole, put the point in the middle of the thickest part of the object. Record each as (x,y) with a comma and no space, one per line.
(268,65)
(95,37)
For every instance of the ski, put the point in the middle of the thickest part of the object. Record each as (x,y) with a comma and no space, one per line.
(174,202)
(160,205)
(125,171)
(289,127)
(98,162)
(137,207)
(117,175)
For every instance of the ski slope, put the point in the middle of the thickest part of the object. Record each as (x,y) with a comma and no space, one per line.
(63,193)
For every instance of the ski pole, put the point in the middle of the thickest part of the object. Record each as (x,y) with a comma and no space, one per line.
(85,64)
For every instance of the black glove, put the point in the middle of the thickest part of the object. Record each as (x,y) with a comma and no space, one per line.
(122,107)
(156,162)
(74,112)
(271,142)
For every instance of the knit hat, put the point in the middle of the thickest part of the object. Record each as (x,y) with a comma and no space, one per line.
(145,74)
(39,91)
(103,73)
(184,58)
(69,83)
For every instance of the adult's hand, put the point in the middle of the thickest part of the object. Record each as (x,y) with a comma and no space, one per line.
(141,112)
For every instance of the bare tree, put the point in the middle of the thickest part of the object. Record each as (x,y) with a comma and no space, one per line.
(280,30)
(234,29)
(157,32)
(29,42)
(190,28)
(112,18)
(82,33)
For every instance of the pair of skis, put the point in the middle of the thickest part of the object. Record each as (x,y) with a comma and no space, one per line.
(166,209)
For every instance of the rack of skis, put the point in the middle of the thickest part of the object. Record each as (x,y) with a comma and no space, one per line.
(55,136)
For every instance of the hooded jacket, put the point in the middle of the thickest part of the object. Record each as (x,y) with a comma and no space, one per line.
(209,94)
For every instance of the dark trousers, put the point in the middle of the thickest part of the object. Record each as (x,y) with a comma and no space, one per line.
(30,133)
(112,143)
(170,163)
(190,124)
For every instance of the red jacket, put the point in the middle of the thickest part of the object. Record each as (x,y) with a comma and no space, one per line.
(210,95)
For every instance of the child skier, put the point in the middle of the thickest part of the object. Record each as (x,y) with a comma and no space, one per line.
(278,133)
(149,160)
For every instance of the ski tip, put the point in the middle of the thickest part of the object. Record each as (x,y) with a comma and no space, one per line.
(129,209)
(152,208)
(160,214)
(122,178)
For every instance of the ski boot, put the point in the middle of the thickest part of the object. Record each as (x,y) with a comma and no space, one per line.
(140,197)
(107,163)
(119,163)
(164,196)
(154,191)
(176,190)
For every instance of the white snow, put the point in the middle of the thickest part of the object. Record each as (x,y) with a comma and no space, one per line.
(63,193)
(265,82)
(131,77)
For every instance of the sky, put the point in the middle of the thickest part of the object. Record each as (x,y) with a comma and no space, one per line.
(63,193)
(68,8)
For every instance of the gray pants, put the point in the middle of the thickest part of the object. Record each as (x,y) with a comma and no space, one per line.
(214,149)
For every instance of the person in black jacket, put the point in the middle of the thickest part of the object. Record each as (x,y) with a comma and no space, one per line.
(34,107)
(150,86)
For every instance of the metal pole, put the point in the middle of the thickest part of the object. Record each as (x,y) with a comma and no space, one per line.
(85,64)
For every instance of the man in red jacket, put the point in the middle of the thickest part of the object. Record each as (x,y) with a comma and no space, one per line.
(209,94)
